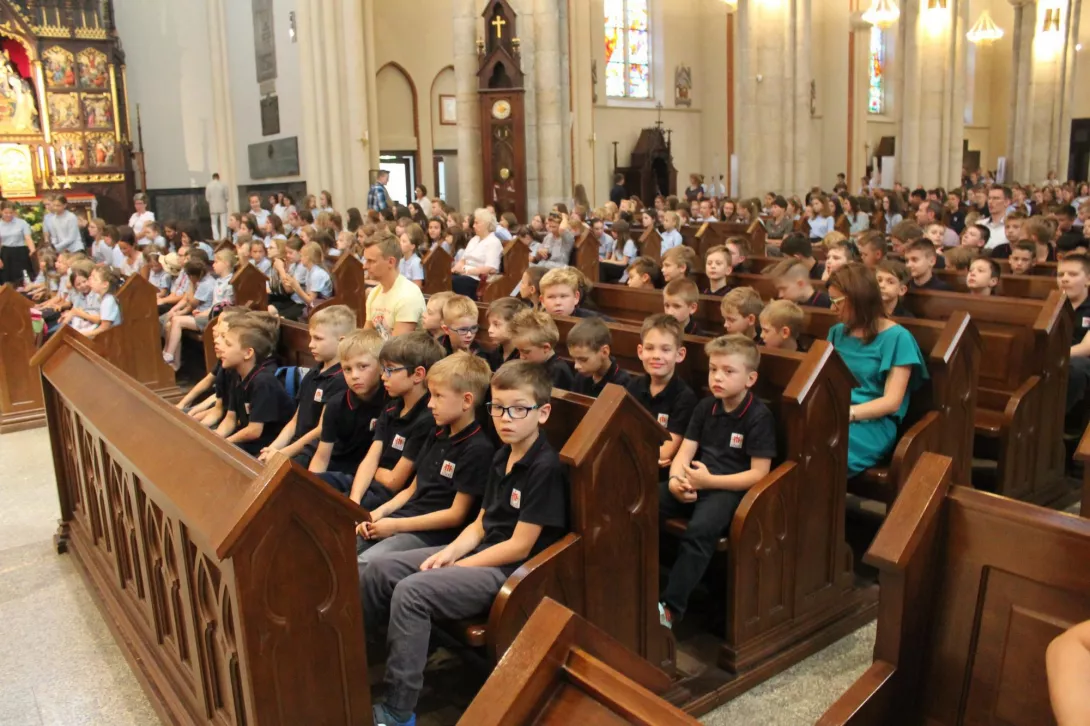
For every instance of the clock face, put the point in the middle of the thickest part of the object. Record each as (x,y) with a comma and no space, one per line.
(501,109)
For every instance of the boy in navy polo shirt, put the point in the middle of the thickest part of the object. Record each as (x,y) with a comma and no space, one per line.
(793,283)
(523,512)
(535,335)
(404,423)
(319,386)
(728,447)
(451,467)
(349,422)
(668,398)
(258,406)
(1073,277)
(588,345)
(500,314)
(680,299)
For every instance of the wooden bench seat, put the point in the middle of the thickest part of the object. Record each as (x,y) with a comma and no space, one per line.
(973,589)
(513,265)
(230,586)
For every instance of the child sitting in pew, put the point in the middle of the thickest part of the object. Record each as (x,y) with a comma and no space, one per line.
(218,382)
(671,237)
(741,308)
(412,239)
(100,310)
(523,512)
(432,320)
(1023,257)
(642,273)
(321,384)
(793,283)
(1040,232)
(678,263)
(801,248)
(983,276)
(500,314)
(667,397)
(739,251)
(920,260)
(451,468)
(258,256)
(349,420)
(210,292)
(680,299)
(728,447)
(258,407)
(160,277)
(837,254)
(460,325)
(563,292)
(959,258)
(718,267)
(872,248)
(975,237)
(529,289)
(589,347)
(402,426)
(535,335)
(781,324)
(1073,278)
(624,252)
(893,279)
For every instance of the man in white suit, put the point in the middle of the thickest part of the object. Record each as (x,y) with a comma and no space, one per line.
(216,196)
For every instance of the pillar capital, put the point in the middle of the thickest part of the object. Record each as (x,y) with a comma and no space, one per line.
(1021,3)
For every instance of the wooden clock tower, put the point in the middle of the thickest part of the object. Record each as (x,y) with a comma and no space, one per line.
(503,112)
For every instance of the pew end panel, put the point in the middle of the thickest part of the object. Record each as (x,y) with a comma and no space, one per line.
(232,593)
(516,260)
(650,243)
(251,288)
(22,405)
(584,254)
(437,264)
(349,284)
(134,346)
(562,669)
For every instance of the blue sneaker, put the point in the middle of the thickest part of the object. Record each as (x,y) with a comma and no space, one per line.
(385,718)
(666,619)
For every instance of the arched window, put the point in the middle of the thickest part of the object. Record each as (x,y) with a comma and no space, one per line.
(876,89)
(628,49)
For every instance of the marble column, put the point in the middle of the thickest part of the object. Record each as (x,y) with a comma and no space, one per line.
(857,117)
(314,151)
(1043,87)
(773,92)
(931,102)
(358,74)
(334,90)
(470,179)
(549,106)
(224,157)
(581,22)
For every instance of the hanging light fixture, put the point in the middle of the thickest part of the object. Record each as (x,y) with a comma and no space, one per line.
(984,30)
(882,13)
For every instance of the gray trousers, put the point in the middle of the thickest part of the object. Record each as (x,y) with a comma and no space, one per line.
(395,590)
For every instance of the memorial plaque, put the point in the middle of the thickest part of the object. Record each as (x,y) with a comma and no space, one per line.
(274,158)
(270,115)
(264,40)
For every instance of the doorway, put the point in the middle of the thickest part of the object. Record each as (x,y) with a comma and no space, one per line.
(1078,165)
(402,168)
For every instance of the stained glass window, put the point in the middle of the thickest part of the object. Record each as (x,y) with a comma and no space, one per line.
(628,49)
(876,90)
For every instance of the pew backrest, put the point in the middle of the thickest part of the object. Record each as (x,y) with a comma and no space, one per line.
(437,274)
(21,402)
(134,346)
(516,259)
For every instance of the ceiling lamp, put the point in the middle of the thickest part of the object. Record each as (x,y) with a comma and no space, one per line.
(882,13)
(984,30)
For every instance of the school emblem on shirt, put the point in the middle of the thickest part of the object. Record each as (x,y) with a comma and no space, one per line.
(1086,322)
(516,498)
(318,395)
(736,441)
(447,469)
(664,418)
(247,409)
(399,442)
(374,422)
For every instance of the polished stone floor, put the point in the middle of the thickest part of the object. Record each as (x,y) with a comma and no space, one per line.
(59,664)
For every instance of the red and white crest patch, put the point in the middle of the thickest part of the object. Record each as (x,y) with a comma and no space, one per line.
(664,418)
(736,441)
(447,469)
(399,442)
(374,422)
(516,498)
(318,394)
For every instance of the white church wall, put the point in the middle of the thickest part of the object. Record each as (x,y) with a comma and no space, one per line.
(710,79)
(245,94)
(168,67)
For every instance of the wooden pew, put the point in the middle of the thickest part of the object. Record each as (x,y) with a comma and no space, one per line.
(562,670)
(437,264)
(134,346)
(584,254)
(349,284)
(21,403)
(251,291)
(1082,454)
(231,587)
(516,259)
(973,589)
(650,244)
(709,234)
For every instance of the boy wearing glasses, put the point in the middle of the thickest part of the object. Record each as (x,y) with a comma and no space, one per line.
(403,424)
(523,512)
(460,325)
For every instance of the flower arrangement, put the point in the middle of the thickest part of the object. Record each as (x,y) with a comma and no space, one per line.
(33,216)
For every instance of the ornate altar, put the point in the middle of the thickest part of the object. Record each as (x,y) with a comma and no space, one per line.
(64,116)
(502,109)
(651,169)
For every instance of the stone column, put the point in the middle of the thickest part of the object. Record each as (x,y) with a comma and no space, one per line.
(469,121)
(549,105)
(581,20)
(313,142)
(857,117)
(224,158)
(371,85)
(357,75)
(931,104)
(773,143)
(1043,88)
(334,91)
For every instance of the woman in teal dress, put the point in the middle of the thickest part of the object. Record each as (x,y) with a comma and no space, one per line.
(883,357)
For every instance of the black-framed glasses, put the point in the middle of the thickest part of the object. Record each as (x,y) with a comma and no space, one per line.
(463,332)
(495,410)
(389,371)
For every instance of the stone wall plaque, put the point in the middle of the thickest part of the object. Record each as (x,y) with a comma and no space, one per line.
(270,115)
(264,40)
(274,158)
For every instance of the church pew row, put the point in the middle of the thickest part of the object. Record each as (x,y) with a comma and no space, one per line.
(561,669)
(349,283)
(230,587)
(584,256)
(251,289)
(437,264)
(952,350)
(704,236)
(134,346)
(515,261)
(973,589)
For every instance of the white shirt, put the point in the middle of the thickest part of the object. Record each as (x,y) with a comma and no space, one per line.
(483,252)
(137,221)
(998,232)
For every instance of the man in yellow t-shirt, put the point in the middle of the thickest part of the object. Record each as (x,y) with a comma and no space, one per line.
(395,305)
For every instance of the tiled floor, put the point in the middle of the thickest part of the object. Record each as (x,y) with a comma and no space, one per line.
(59,664)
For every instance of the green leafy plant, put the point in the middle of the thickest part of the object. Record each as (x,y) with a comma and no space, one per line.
(32,215)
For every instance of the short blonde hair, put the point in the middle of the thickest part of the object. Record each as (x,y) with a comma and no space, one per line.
(681,255)
(312,252)
(536,327)
(743,300)
(459,306)
(360,342)
(684,288)
(462,372)
(339,319)
(719,250)
(790,267)
(568,276)
(438,299)
(738,345)
(228,256)
(784,314)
